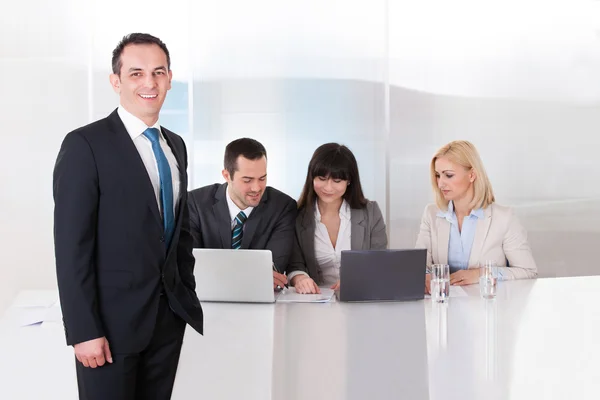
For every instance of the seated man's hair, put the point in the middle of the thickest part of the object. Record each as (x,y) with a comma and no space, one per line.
(246,147)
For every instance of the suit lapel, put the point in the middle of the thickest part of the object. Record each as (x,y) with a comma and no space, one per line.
(133,164)
(250,228)
(357,229)
(307,239)
(481,232)
(443,230)
(253,221)
(221,213)
(182,177)
(180,160)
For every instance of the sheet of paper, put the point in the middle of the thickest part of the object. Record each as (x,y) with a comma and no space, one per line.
(54,314)
(32,316)
(36,298)
(27,316)
(455,291)
(290,296)
(34,307)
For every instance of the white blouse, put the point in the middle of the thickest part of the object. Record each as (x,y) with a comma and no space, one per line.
(329,257)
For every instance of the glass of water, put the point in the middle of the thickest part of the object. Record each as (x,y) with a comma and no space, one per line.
(440,283)
(488,280)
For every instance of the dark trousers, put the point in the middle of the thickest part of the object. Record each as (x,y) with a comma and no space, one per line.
(145,376)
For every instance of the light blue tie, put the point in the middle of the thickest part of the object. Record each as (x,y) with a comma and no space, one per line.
(238,230)
(166,184)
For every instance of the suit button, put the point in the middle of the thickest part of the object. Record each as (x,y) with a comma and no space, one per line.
(162,239)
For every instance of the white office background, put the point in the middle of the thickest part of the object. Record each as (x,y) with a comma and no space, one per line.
(392,79)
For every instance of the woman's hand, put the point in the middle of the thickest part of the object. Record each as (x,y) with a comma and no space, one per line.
(465,277)
(428,284)
(305,285)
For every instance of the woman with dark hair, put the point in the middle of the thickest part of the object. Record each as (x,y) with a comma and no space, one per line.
(333,216)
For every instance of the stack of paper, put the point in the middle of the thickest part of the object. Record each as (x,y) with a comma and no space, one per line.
(290,296)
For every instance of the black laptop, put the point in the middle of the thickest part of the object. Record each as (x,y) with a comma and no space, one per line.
(382,275)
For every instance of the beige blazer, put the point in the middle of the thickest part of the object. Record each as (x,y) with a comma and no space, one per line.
(499,236)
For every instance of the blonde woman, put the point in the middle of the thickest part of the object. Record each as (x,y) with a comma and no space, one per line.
(465,227)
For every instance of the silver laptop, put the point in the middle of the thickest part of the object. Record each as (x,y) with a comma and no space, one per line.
(234,275)
(382,275)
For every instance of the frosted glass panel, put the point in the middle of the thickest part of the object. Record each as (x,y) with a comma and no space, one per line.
(520,81)
(293,75)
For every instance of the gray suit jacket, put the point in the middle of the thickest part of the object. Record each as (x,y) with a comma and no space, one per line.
(270,226)
(367,229)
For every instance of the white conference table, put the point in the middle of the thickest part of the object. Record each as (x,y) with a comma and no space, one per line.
(540,339)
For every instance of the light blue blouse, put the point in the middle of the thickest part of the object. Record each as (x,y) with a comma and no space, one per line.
(460,243)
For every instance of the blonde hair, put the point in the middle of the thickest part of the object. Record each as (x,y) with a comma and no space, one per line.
(464,154)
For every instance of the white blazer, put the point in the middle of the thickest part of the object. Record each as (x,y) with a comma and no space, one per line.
(499,236)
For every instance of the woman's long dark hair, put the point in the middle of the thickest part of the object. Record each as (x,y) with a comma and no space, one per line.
(333,160)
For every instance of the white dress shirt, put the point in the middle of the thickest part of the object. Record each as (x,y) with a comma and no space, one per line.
(136,127)
(329,257)
(234,210)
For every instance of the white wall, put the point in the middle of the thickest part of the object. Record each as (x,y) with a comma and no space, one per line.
(44,95)
(394,80)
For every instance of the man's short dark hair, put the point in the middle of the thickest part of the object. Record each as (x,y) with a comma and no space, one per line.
(136,38)
(246,147)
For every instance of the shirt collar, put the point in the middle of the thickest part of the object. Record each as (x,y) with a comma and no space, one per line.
(477,213)
(345,211)
(135,126)
(234,210)
(450,215)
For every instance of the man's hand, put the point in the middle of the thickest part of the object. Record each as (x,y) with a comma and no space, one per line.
(305,285)
(93,353)
(336,286)
(279,280)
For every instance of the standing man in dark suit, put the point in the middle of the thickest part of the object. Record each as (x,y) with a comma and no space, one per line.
(245,213)
(121,230)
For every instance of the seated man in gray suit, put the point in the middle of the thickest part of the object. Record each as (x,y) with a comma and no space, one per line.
(245,213)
